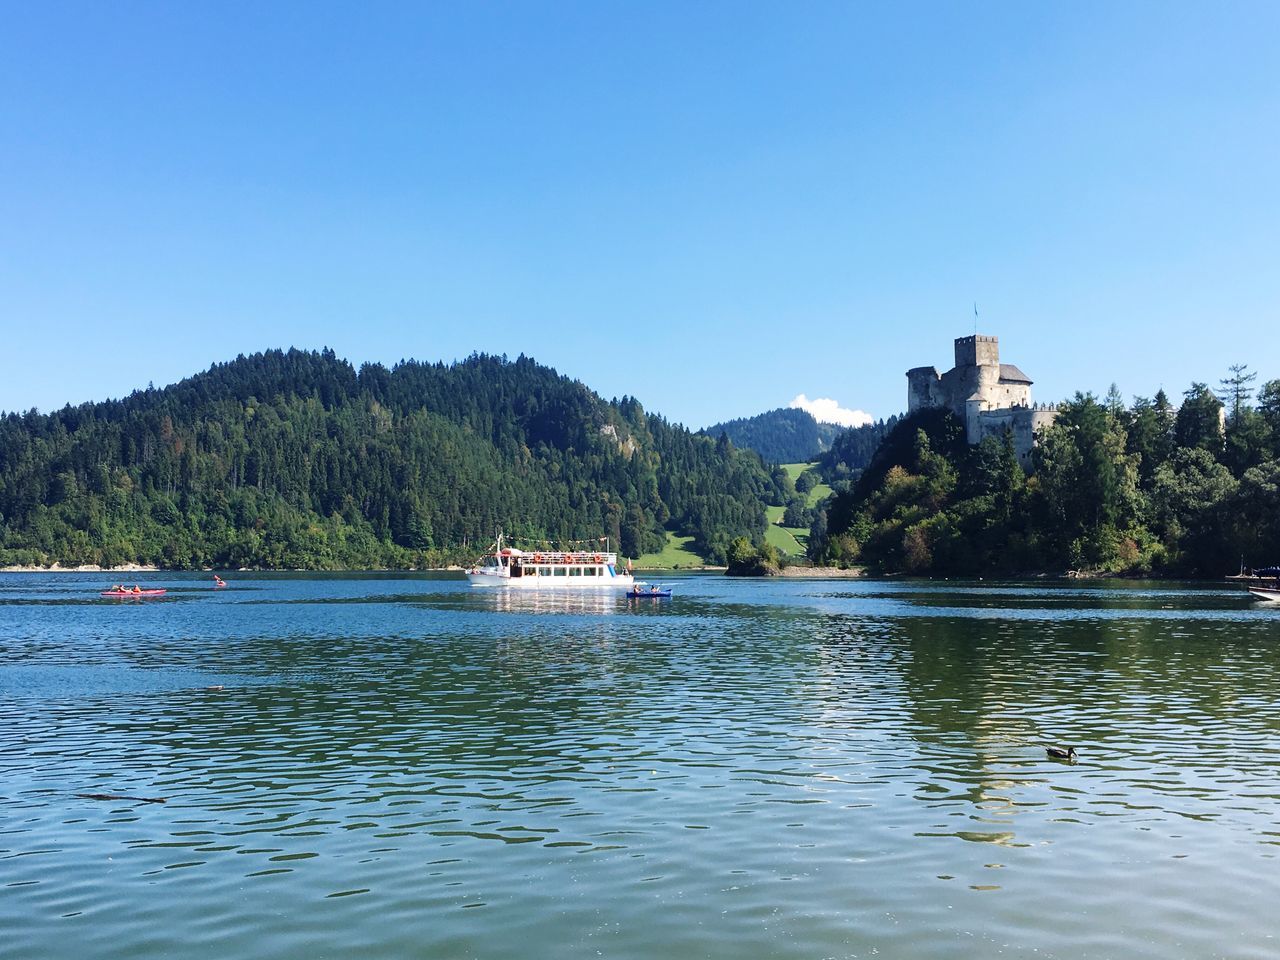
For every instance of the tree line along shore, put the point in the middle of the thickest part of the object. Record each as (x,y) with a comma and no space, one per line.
(297,460)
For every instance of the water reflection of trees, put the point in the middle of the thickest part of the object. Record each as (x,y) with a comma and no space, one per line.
(1071,677)
(1160,708)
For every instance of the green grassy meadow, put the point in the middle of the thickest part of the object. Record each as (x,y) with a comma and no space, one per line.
(792,541)
(817,493)
(675,554)
(789,540)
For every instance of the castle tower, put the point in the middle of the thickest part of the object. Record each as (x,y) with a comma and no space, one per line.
(976,374)
(978,351)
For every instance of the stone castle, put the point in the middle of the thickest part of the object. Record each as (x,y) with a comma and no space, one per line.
(988,396)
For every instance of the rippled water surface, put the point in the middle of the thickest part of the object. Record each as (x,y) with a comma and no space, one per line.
(409,767)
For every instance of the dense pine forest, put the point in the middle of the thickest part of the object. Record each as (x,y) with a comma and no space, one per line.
(851,451)
(784,435)
(298,460)
(791,435)
(1145,488)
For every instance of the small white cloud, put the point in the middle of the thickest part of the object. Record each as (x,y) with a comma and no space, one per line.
(826,410)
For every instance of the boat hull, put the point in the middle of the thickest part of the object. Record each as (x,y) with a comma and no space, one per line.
(1265,593)
(619,581)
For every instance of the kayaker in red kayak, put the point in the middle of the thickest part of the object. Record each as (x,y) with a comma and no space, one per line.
(133,593)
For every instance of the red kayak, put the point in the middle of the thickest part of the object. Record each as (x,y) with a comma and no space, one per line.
(126,594)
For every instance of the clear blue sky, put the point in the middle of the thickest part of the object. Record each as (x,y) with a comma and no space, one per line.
(712,207)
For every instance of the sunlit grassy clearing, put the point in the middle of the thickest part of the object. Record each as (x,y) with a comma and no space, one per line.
(675,554)
(817,493)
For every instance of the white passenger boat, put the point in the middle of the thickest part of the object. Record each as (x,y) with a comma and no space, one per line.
(1264,590)
(506,566)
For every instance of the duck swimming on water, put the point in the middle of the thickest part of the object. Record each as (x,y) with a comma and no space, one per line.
(1061,753)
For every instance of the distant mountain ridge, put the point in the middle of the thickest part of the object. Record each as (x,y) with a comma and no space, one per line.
(294,458)
(784,435)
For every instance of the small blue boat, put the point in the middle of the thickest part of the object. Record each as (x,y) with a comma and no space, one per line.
(649,593)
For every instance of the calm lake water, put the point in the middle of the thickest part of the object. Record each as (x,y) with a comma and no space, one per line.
(409,767)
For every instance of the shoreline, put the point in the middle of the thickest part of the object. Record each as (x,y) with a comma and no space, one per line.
(83,568)
(704,569)
(152,568)
(824,573)
(793,572)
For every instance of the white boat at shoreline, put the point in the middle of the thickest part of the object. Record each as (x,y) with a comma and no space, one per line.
(1265,593)
(1264,590)
(506,566)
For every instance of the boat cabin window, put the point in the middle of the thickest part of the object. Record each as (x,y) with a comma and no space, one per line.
(589,571)
(544,571)
(575,571)
(560,571)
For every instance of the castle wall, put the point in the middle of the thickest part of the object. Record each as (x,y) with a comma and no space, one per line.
(1021,422)
(924,389)
(959,384)
(1042,417)
(1008,395)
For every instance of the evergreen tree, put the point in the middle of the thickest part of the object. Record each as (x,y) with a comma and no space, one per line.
(1150,435)
(1249,441)
(1269,410)
(1199,420)
(1235,392)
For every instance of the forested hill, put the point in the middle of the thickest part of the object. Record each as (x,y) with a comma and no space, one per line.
(296,459)
(785,435)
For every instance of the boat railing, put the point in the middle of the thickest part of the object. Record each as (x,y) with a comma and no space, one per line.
(563,556)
